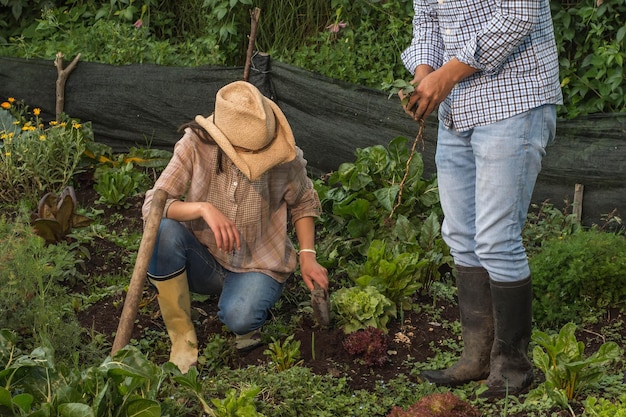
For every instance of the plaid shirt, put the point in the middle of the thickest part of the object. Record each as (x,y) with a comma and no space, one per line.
(259,209)
(510,42)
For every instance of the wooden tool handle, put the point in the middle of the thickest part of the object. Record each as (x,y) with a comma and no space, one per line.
(137,281)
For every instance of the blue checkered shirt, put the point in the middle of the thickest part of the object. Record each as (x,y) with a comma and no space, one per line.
(510,42)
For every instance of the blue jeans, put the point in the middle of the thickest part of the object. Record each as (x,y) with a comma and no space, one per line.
(245,298)
(486,177)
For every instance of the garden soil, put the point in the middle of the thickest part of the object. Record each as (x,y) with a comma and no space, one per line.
(410,341)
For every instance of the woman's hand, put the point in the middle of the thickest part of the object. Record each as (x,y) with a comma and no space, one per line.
(312,271)
(226,234)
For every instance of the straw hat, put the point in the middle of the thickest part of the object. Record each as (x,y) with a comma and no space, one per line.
(250,128)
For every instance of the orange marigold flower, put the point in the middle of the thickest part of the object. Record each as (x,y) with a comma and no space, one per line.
(11,99)
(36,111)
(5,105)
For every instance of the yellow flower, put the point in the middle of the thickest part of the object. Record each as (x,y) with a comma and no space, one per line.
(76,125)
(7,154)
(63,124)
(42,137)
(53,123)
(36,111)
(6,105)
(11,99)
(4,136)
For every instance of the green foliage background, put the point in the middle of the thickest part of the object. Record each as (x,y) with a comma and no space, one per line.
(578,274)
(364,50)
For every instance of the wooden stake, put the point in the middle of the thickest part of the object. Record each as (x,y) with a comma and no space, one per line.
(578,202)
(137,281)
(62,75)
(254,23)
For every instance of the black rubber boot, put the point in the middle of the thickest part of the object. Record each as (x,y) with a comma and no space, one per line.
(477,330)
(511,371)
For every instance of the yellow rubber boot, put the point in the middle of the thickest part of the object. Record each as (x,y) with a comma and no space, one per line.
(175,304)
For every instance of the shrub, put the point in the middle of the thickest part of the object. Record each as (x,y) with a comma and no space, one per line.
(576,273)
(34,158)
(32,300)
(590,38)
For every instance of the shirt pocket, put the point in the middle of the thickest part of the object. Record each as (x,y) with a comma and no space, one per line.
(251,204)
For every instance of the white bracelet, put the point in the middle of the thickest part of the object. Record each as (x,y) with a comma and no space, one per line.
(307,250)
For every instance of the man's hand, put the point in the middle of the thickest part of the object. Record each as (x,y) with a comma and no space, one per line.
(433,86)
(410,103)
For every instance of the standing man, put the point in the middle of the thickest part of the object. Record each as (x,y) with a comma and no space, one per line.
(492,68)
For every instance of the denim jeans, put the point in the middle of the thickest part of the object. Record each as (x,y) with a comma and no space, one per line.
(245,298)
(486,177)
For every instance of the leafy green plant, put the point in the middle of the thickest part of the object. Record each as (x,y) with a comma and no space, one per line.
(217,352)
(395,275)
(190,381)
(567,370)
(237,404)
(125,384)
(284,355)
(57,216)
(577,273)
(397,86)
(601,407)
(118,183)
(34,158)
(383,196)
(371,344)
(361,307)
(234,404)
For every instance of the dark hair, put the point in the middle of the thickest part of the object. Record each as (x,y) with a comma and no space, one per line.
(204,137)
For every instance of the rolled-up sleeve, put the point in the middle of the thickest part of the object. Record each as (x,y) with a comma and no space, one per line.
(427,45)
(493,44)
(175,178)
(300,196)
